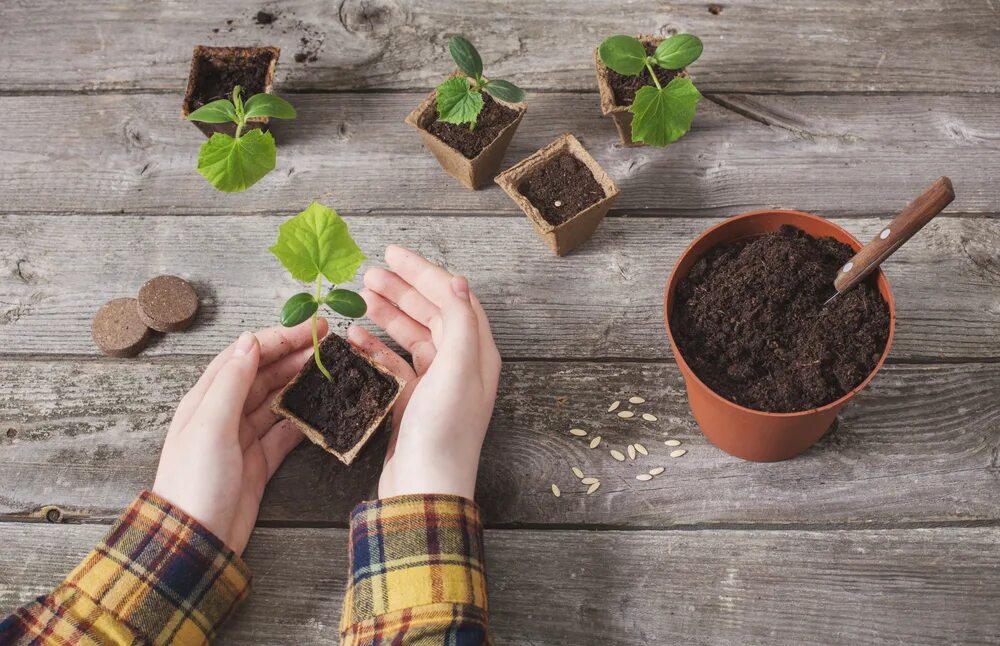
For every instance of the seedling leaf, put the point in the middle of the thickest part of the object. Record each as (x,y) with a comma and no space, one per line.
(663,116)
(677,52)
(466,57)
(505,91)
(346,303)
(457,102)
(316,241)
(298,308)
(268,105)
(234,165)
(220,111)
(624,54)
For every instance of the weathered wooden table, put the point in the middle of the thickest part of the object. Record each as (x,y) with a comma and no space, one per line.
(888,531)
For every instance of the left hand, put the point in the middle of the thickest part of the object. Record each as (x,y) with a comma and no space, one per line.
(224,443)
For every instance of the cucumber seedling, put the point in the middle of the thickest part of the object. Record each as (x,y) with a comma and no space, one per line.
(460,98)
(234,164)
(660,114)
(314,245)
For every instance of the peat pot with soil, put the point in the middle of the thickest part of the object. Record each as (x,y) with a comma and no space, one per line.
(563,191)
(341,397)
(216,71)
(778,318)
(469,120)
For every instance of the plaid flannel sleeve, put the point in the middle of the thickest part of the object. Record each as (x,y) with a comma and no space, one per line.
(417,573)
(158,577)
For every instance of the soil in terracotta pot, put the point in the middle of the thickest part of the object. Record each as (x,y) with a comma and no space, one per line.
(494,117)
(342,409)
(561,188)
(625,87)
(749,320)
(218,76)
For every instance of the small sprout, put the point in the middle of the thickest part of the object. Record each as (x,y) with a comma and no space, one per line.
(234,164)
(460,99)
(313,245)
(660,115)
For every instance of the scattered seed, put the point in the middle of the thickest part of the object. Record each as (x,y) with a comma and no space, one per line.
(648,417)
(673,442)
(631,451)
(592,488)
(678,453)
(614,406)
(579,432)
(644,477)
(555,491)
(577,472)
(595,442)
(636,400)
(617,455)
(589,481)
(625,414)
(656,471)
(557,203)
(641,449)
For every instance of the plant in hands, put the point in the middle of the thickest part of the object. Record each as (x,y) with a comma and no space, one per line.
(440,419)
(660,115)
(234,164)
(460,99)
(313,245)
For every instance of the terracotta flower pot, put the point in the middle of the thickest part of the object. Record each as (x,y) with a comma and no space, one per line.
(744,432)
(575,230)
(473,173)
(207,60)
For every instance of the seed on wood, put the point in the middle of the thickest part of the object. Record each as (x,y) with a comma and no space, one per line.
(636,400)
(592,488)
(655,471)
(644,477)
(673,442)
(625,414)
(648,417)
(577,472)
(589,481)
(579,432)
(614,406)
(617,455)
(678,453)
(555,491)
(595,442)
(631,451)
(641,449)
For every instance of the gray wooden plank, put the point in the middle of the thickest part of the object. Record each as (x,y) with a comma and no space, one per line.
(920,445)
(918,586)
(750,46)
(845,155)
(605,300)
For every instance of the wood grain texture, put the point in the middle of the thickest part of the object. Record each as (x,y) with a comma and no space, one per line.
(604,300)
(919,446)
(847,155)
(921,586)
(750,46)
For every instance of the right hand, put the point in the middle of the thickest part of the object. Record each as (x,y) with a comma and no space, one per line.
(440,419)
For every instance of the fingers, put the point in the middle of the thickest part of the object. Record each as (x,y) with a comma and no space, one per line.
(398,291)
(275,376)
(221,408)
(410,335)
(278,342)
(364,341)
(277,443)
(431,281)
(460,344)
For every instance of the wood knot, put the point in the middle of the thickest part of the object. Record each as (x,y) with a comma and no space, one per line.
(368,16)
(12,433)
(52,514)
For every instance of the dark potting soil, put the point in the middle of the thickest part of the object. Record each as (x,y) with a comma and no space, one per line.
(342,409)
(749,320)
(493,118)
(265,18)
(625,87)
(218,76)
(561,188)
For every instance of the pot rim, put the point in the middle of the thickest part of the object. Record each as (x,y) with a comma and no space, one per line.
(835,404)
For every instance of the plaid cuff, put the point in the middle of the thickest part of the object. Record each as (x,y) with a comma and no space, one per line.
(157,577)
(417,572)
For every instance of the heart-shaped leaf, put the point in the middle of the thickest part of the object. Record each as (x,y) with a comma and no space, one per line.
(677,52)
(457,102)
(346,303)
(234,165)
(660,117)
(466,57)
(298,308)
(624,54)
(220,111)
(316,241)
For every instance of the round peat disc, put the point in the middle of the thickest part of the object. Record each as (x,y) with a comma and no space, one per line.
(168,304)
(117,329)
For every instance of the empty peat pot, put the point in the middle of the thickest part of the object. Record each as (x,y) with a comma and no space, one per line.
(743,432)
(216,70)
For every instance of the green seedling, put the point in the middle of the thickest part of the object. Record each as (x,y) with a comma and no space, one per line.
(660,115)
(234,164)
(314,245)
(460,98)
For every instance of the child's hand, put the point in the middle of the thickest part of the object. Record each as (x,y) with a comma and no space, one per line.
(224,443)
(440,419)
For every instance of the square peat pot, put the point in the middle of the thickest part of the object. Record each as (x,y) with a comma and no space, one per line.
(215,71)
(577,228)
(341,414)
(473,173)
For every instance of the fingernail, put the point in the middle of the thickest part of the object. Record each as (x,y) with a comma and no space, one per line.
(243,344)
(460,286)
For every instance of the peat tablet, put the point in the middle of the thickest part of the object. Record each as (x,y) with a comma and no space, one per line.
(117,329)
(168,304)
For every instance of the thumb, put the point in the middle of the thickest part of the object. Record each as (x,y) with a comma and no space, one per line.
(460,340)
(222,406)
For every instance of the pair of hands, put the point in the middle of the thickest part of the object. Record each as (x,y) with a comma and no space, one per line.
(224,443)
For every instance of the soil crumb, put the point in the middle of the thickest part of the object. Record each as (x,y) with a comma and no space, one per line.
(625,87)
(265,18)
(493,118)
(562,188)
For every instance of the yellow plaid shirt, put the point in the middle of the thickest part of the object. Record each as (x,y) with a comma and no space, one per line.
(158,577)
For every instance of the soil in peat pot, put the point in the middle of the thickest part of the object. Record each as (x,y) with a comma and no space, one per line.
(342,409)
(218,76)
(625,87)
(749,320)
(561,188)
(494,117)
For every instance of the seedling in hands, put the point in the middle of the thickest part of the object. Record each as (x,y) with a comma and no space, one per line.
(660,115)
(313,245)
(234,164)
(460,99)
